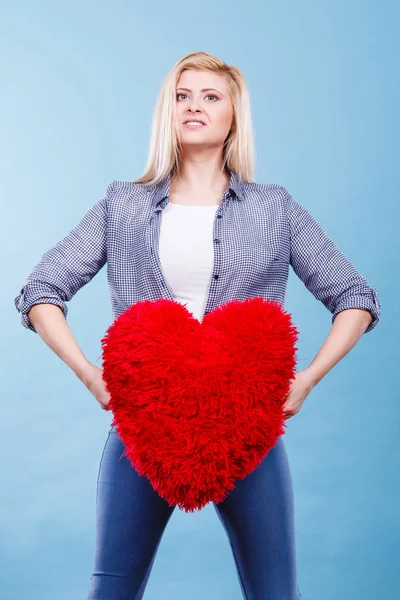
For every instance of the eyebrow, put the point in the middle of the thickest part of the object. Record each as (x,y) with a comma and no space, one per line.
(203,90)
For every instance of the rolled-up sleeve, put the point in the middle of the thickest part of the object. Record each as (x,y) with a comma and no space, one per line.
(324,269)
(69,265)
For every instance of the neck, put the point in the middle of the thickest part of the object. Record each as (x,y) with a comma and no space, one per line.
(204,177)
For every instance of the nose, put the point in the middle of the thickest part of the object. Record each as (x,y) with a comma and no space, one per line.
(193,105)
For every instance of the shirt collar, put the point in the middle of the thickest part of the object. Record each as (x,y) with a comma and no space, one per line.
(235,188)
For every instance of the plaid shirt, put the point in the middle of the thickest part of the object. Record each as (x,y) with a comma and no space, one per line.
(259,230)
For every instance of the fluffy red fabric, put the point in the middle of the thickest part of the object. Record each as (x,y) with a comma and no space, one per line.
(199,404)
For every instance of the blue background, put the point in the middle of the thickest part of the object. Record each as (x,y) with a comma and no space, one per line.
(79,83)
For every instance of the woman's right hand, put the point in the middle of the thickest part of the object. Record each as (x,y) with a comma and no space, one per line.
(92,378)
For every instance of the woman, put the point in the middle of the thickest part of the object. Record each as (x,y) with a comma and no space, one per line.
(197,229)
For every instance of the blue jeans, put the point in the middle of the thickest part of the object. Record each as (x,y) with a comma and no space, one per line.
(257,516)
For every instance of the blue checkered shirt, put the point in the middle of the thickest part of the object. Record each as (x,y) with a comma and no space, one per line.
(259,230)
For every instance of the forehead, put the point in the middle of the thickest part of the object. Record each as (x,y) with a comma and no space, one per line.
(196,80)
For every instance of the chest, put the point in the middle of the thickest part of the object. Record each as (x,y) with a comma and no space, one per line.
(243,235)
(192,199)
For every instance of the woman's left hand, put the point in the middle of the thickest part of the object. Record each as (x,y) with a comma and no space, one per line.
(301,386)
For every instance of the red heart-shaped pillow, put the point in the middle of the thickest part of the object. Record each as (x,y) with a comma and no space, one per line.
(198,404)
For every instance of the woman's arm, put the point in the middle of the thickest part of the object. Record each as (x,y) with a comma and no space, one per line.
(61,272)
(325,271)
(329,275)
(347,328)
(50,324)
(69,265)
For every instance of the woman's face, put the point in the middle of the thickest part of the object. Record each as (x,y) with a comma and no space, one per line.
(203,96)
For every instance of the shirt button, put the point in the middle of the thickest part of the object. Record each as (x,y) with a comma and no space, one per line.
(217,241)
(216,276)
(219,216)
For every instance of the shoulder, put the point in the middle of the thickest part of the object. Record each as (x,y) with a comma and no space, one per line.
(273,194)
(122,199)
(265,190)
(123,196)
(123,189)
(277,194)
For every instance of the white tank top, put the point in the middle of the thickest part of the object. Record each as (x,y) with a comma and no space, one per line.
(186,251)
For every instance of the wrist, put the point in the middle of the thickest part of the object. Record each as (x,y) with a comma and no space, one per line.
(313,376)
(83,370)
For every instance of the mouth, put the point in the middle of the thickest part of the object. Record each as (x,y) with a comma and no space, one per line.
(194,124)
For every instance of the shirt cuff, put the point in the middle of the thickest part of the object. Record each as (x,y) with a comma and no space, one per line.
(370,303)
(23,306)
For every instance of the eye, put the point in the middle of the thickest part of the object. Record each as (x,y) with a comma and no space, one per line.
(208,96)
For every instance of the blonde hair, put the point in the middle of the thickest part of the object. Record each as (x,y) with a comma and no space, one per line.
(164,153)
